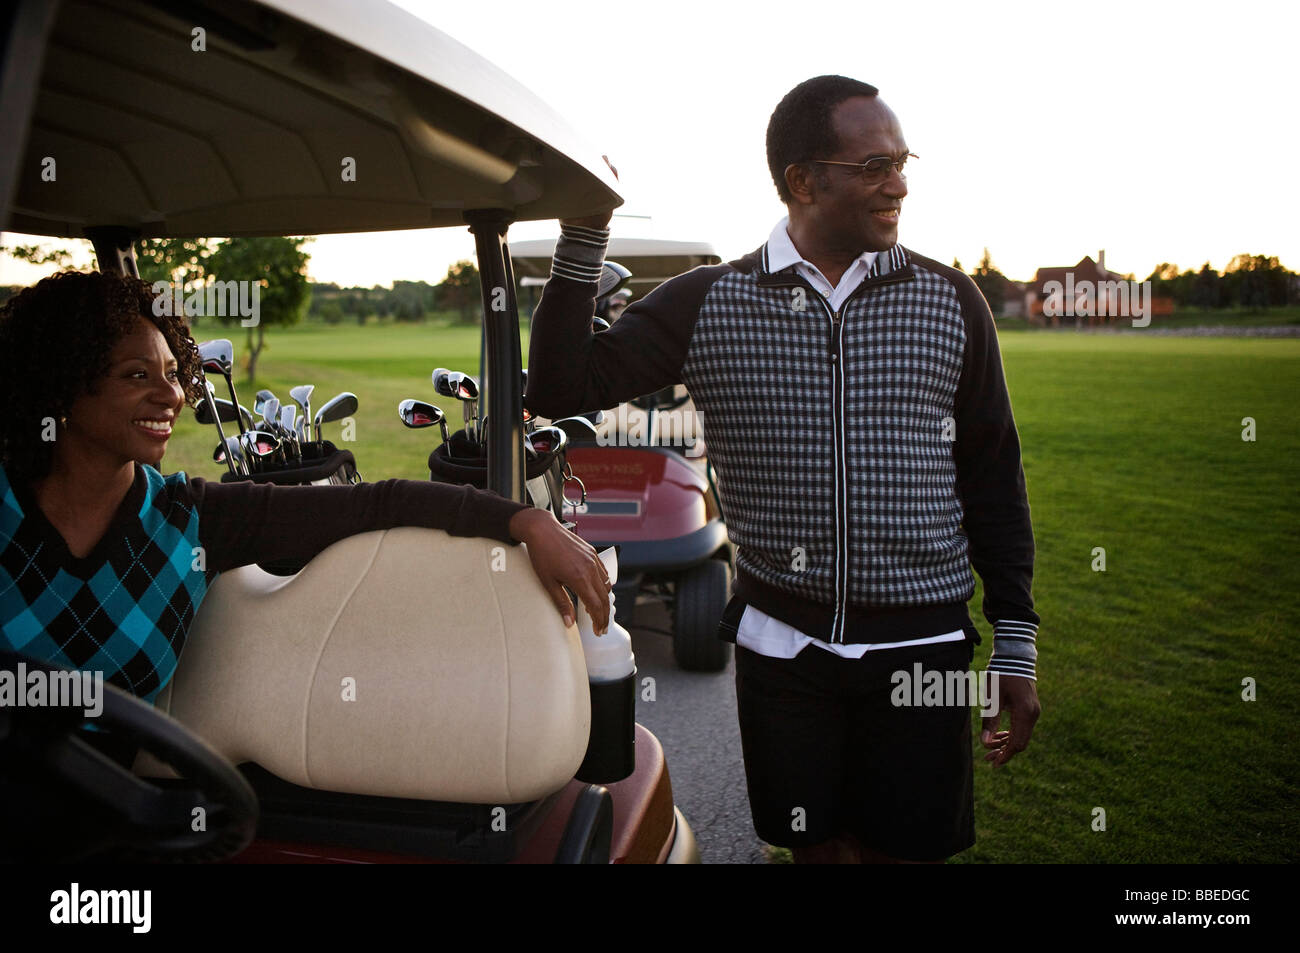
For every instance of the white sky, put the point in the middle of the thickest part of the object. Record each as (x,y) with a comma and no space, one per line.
(1159,131)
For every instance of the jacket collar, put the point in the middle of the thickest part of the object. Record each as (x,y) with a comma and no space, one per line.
(891,260)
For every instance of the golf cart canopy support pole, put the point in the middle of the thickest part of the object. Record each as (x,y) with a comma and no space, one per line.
(114,249)
(501,399)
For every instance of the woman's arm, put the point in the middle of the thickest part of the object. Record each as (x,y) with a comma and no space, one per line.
(243,523)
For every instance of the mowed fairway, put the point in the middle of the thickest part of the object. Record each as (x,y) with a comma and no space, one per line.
(1135,445)
(1131,444)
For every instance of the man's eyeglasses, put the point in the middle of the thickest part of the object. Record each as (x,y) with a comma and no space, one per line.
(875,169)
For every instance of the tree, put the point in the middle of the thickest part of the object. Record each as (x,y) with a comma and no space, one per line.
(1204,288)
(1256,282)
(279,267)
(460,290)
(40,255)
(181,260)
(992,283)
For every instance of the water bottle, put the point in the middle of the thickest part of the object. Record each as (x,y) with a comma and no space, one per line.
(611,674)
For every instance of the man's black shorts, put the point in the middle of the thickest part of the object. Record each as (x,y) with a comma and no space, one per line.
(819,733)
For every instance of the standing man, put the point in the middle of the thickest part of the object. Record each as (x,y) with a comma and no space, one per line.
(854,404)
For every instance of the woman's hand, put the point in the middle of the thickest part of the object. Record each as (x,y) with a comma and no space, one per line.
(561,559)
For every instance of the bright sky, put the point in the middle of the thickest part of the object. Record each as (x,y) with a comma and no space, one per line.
(1160,131)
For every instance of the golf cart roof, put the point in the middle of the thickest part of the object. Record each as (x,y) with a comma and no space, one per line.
(652,261)
(252,136)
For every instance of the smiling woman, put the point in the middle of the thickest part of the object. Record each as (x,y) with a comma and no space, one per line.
(70,333)
(103,560)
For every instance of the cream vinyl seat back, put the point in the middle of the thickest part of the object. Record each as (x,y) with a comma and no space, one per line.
(400,663)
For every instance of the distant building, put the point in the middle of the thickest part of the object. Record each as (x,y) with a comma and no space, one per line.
(1048,291)
(1013,301)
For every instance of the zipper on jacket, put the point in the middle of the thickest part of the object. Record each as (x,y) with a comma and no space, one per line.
(841,472)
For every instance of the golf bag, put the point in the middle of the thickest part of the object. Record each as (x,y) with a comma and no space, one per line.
(468,465)
(322,464)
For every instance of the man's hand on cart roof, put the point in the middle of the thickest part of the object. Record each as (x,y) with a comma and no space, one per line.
(600,220)
(561,558)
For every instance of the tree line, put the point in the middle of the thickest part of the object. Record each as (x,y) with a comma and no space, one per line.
(1249,283)
(457,297)
(279,266)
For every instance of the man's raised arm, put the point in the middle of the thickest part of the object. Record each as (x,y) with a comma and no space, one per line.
(572,371)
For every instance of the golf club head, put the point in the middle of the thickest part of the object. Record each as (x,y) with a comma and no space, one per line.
(302,396)
(262,446)
(260,399)
(612,277)
(456,384)
(271,413)
(599,324)
(577,428)
(418,414)
(286,419)
(230,449)
(217,355)
(225,412)
(545,443)
(336,408)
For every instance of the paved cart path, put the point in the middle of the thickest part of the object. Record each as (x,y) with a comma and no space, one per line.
(694,717)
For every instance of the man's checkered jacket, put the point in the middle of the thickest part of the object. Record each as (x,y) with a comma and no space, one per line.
(867,458)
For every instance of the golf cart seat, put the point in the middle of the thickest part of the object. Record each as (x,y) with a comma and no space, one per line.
(371,673)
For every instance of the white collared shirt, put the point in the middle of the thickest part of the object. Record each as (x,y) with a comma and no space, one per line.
(758,631)
(781,253)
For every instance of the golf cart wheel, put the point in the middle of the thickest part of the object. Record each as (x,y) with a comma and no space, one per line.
(702,594)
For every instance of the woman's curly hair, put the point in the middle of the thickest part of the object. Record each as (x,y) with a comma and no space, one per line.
(55,341)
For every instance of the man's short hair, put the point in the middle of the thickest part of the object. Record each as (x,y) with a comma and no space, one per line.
(800,127)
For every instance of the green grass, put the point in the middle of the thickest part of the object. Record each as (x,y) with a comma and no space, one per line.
(1229,317)
(1131,444)
(1135,445)
(380,363)
(1194,318)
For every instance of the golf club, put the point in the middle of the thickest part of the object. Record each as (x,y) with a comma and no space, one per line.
(209,401)
(229,449)
(263,447)
(417,414)
(464,388)
(260,399)
(546,442)
(270,413)
(288,433)
(225,411)
(302,397)
(336,408)
(219,355)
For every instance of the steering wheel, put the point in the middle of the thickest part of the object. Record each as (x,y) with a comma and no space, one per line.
(63,799)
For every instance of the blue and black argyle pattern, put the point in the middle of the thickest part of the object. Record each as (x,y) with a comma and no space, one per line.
(125,609)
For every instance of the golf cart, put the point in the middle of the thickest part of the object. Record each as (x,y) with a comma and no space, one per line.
(649,488)
(399,698)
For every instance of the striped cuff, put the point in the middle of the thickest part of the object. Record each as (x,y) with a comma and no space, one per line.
(1014,649)
(580,253)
